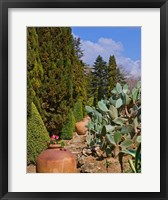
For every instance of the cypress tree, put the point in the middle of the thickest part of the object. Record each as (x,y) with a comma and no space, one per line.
(112,75)
(64,81)
(55,73)
(57,89)
(89,85)
(78,111)
(68,127)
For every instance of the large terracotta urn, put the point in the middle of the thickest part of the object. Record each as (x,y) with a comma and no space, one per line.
(56,160)
(81,128)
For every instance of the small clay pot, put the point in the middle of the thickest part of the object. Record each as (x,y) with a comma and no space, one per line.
(81,128)
(56,160)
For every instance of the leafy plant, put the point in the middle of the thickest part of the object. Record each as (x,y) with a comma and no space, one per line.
(116,122)
(136,163)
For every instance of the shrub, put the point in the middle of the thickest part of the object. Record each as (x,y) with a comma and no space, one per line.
(68,128)
(37,135)
(78,111)
(30,96)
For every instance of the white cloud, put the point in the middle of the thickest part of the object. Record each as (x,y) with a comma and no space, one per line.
(132,67)
(106,47)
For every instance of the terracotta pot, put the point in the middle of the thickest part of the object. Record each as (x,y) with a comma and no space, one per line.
(81,128)
(56,160)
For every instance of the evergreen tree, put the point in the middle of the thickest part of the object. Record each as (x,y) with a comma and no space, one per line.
(112,75)
(68,127)
(121,76)
(37,135)
(55,72)
(78,49)
(56,48)
(56,79)
(78,111)
(89,85)
(35,72)
(99,79)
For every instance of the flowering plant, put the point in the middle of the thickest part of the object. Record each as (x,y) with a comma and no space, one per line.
(53,139)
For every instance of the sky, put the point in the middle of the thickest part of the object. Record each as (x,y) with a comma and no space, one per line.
(122,42)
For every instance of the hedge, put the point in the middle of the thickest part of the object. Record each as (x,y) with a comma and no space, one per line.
(37,135)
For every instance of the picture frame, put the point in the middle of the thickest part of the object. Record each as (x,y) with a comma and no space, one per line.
(4,92)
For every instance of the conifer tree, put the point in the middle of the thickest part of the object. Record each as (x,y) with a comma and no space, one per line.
(112,75)
(35,72)
(55,74)
(99,79)
(78,49)
(56,45)
(89,85)
(121,76)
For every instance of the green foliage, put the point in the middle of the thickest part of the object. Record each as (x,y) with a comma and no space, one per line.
(121,76)
(102,79)
(68,127)
(30,97)
(99,79)
(78,111)
(55,72)
(112,75)
(34,66)
(135,163)
(115,123)
(37,135)
(78,50)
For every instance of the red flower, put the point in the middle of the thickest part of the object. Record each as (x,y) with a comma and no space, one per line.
(53,137)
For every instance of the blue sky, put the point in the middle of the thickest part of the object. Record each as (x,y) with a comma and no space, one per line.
(123,42)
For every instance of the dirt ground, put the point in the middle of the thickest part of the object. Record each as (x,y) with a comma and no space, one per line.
(31,169)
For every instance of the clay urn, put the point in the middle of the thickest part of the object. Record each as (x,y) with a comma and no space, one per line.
(56,159)
(81,128)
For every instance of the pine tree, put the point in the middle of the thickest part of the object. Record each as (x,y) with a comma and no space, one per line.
(99,79)
(112,75)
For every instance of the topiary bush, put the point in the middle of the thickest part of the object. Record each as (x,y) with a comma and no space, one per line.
(78,111)
(30,97)
(37,135)
(68,128)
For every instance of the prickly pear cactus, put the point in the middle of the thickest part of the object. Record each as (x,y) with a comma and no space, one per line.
(115,124)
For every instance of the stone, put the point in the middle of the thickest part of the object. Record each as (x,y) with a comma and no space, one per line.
(91,164)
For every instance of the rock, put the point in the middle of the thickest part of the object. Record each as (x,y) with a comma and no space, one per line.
(114,165)
(78,139)
(94,160)
(99,153)
(125,164)
(86,151)
(90,164)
